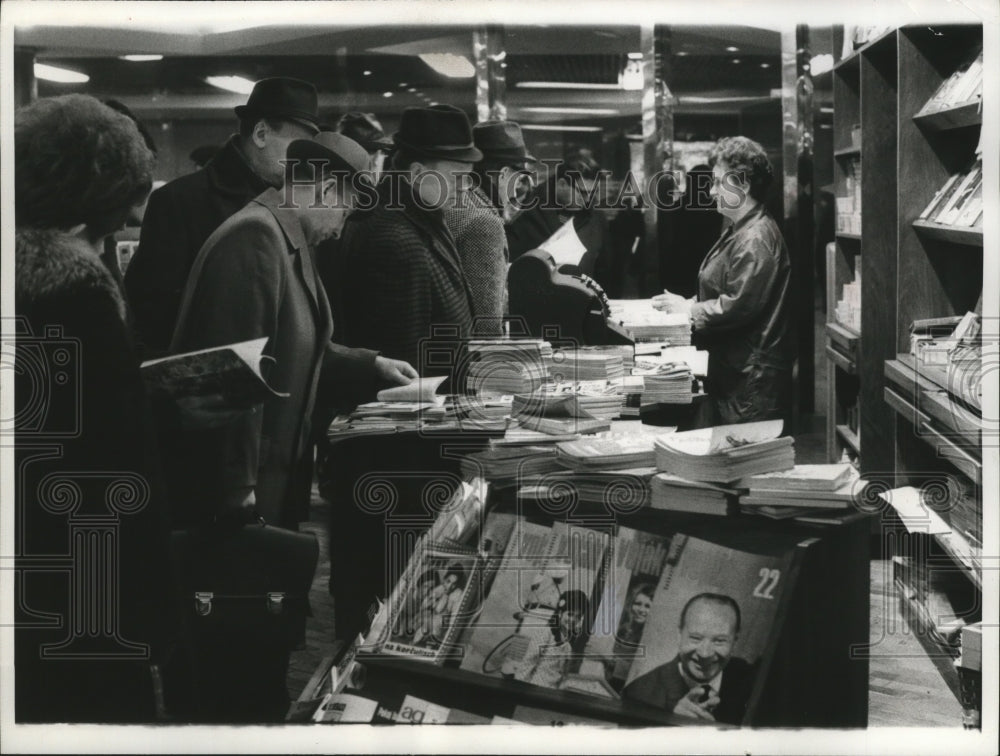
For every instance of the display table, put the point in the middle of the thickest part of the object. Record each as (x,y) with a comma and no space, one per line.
(818,667)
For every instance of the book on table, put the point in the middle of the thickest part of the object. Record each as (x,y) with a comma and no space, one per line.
(850,492)
(676,494)
(726,453)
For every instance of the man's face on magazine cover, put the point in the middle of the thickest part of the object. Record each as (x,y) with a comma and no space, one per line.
(707,638)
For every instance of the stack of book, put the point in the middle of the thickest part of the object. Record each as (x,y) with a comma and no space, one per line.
(608,453)
(511,464)
(726,453)
(645,323)
(963,86)
(849,202)
(627,488)
(848,308)
(507,367)
(671,384)
(805,487)
(556,414)
(681,495)
(960,201)
(484,407)
(587,364)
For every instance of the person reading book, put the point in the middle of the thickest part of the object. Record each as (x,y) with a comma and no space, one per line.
(255,276)
(704,680)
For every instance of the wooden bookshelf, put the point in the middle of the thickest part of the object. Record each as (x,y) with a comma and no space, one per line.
(967,237)
(911,428)
(956,117)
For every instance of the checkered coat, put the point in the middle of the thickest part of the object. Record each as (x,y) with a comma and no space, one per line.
(482,247)
(402,280)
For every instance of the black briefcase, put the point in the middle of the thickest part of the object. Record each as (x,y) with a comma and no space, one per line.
(245,596)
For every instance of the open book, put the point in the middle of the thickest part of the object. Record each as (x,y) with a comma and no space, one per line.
(231,372)
(420,390)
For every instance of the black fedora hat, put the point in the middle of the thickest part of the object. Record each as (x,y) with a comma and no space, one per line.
(328,150)
(364,129)
(285,98)
(501,141)
(440,131)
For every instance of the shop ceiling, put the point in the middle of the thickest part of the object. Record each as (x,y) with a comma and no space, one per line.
(715,69)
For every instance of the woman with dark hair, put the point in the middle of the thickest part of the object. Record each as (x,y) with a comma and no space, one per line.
(547,662)
(628,637)
(79,170)
(742,312)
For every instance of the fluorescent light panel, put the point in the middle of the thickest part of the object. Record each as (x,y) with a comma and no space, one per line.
(237,84)
(140,58)
(545,127)
(449,64)
(59,75)
(571,111)
(565,85)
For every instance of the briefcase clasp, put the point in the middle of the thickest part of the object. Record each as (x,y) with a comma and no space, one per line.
(203,602)
(274,602)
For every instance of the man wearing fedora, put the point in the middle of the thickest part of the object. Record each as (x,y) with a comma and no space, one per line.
(477,220)
(255,276)
(402,274)
(181,215)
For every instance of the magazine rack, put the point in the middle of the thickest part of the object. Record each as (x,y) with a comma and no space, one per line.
(817,670)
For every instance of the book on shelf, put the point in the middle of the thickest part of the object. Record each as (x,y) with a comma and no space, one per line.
(959,202)
(534,620)
(964,85)
(726,453)
(940,601)
(229,376)
(711,591)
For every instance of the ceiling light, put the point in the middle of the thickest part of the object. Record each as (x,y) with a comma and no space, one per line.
(682,52)
(820,64)
(737,60)
(449,64)
(564,85)
(635,56)
(237,84)
(571,111)
(732,49)
(765,65)
(402,85)
(387,94)
(411,89)
(367,73)
(61,75)
(140,58)
(543,127)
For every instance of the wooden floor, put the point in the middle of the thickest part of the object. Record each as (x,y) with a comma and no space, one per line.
(904,688)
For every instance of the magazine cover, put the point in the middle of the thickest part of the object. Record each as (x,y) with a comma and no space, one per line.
(535,620)
(430,609)
(636,560)
(708,628)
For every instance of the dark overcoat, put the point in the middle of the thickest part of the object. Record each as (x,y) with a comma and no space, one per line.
(179,217)
(95,604)
(256,277)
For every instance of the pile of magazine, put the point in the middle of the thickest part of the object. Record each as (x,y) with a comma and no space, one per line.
(680,495)
(801,490)
(726,453)
(597,363)
(502,366)
(645,323)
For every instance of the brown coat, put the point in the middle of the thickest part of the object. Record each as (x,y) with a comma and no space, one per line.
(255,277)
